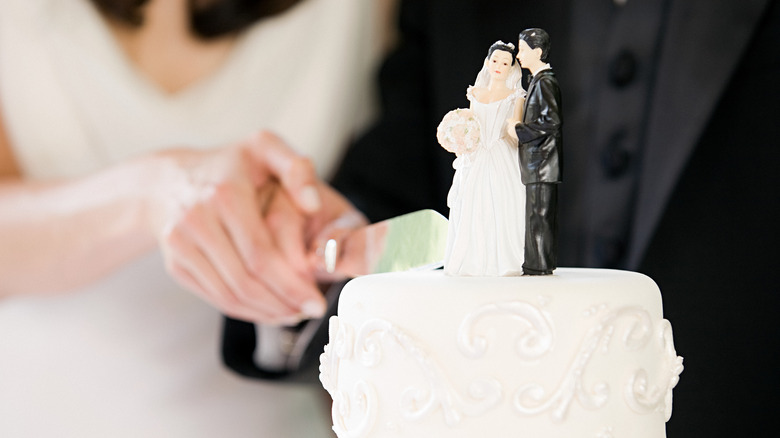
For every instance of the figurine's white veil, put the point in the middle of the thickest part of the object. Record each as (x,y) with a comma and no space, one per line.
(513,79)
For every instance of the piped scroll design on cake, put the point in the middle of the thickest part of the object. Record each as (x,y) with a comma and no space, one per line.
(532,343)
(362,400)
(640,395)
(532,398)
(440,393)
(535,339)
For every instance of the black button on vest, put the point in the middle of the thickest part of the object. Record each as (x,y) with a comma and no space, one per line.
(615,157)
(623,68)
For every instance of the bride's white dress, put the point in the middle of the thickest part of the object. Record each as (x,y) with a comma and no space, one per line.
(487,199)
(135,355)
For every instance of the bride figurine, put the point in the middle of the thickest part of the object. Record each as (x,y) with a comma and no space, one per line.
(487,198)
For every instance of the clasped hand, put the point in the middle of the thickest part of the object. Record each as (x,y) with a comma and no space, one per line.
(241,226)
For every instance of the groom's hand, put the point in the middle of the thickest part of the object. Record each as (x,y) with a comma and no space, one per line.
(302,238)
(511,125)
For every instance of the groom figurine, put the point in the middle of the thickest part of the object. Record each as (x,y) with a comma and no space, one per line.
(540,146)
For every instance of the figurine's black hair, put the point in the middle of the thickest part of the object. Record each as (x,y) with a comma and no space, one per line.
(208,19)
(499,45)
(536,38)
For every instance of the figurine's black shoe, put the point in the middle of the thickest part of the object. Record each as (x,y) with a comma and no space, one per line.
(527,271)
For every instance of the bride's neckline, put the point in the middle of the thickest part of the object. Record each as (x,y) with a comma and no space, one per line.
(133,49)
(489,102)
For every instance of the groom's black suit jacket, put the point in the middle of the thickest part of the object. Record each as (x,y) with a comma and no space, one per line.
(672,152)
(540,146)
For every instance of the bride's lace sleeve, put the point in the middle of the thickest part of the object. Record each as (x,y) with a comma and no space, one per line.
(518,93)
(470,93)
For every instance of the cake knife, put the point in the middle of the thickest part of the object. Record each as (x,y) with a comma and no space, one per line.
(414,241)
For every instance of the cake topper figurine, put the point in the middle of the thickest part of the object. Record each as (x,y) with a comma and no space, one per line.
(486,200)
(540,146)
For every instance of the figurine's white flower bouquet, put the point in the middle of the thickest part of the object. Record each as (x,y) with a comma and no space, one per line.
(459,132)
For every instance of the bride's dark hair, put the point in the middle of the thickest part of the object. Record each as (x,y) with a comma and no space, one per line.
(504,47)
(208,18)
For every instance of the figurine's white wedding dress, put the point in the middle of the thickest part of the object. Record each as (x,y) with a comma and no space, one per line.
(487,199)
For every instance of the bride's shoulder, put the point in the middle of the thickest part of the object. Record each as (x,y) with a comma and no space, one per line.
(475,93)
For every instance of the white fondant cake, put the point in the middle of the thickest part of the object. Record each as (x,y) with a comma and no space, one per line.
(581,353)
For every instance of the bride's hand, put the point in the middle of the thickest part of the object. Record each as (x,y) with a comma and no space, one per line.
(208,220)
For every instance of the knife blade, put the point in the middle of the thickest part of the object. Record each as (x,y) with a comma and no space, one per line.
(409,242)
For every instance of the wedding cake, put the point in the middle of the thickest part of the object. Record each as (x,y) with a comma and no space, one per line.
(581,353)
(477,350)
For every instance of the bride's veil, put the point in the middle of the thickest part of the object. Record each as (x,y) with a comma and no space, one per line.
(483,77)
(515,78)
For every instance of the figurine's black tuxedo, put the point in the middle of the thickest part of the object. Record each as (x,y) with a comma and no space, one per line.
(539,135)
(704,207)
(540,151)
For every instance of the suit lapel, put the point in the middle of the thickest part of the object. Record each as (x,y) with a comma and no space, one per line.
(531,86)
(704,42)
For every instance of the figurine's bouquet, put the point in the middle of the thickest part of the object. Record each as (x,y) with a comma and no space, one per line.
(459,132)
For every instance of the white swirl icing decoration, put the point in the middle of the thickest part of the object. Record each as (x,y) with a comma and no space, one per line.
(533,342)
(340,347)
(417,403)
(363,397)
(675,366)
(630,328)
(328,363)
(643,398)
(364,401)
(532,398)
